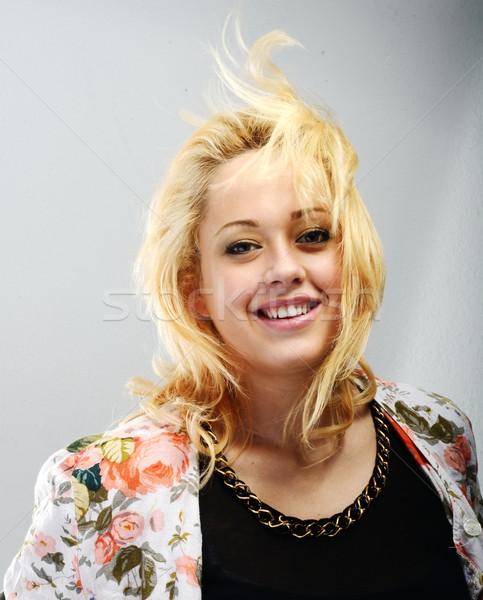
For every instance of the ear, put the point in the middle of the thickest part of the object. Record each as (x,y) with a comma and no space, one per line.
(198,306)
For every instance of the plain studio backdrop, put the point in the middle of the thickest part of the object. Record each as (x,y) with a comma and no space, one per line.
(89,99)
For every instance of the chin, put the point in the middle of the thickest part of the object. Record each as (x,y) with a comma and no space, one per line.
(296,362)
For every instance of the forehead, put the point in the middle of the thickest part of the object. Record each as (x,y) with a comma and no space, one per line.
(246,172)
(249,186)
(243,188)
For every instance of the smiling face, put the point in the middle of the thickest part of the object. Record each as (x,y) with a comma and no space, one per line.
(270,270)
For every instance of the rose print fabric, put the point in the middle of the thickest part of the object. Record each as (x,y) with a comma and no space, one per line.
(441,439)
(117,515)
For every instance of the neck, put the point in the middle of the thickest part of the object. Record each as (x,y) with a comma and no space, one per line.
(272,398)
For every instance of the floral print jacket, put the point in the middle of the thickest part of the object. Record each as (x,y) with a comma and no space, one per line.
(117,515)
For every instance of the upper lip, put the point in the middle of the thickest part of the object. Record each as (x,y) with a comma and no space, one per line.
(295,301)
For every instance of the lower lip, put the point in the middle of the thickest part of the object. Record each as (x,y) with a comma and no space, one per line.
(290,323)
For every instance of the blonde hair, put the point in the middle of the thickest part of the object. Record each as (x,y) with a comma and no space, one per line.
(202,384)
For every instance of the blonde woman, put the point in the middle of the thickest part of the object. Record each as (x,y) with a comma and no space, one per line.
(271,463)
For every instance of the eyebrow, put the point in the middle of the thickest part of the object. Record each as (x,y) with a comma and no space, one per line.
(295,216)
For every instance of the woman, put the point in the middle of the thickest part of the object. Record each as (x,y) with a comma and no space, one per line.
(264,274)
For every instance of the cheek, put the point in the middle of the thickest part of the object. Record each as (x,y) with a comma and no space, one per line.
(328,274)
(204,292)
(330,281)
(334,280)
(228,295)
(234,293)
(238,289)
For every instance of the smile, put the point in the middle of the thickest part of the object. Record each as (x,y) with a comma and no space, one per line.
(287,311)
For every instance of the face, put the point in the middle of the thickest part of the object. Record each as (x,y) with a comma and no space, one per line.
(270,271)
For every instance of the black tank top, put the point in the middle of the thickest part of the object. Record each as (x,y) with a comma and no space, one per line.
(401,549)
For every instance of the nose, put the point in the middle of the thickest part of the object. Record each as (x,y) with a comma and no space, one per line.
(284,268)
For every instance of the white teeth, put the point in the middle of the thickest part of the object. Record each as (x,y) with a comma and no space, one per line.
(283,312)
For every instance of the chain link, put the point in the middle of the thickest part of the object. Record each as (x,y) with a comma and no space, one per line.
(314,528)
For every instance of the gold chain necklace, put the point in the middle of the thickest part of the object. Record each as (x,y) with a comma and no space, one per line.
(313,528)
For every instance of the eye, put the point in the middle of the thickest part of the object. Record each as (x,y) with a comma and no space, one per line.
(314,236)
(241,247)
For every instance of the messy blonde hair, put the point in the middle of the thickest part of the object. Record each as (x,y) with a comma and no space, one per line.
(202,382)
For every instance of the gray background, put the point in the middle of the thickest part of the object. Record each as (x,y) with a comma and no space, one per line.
(89,99)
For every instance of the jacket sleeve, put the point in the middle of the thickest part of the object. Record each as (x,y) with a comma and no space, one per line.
(115,516)
(473,492)
(47,563)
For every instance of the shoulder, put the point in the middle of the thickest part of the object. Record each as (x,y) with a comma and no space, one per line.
(426,413)
(428,417)
(440,431)
(135,457)
(114,507)
(128,462)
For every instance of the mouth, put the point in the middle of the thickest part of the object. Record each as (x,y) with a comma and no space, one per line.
(287,311)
